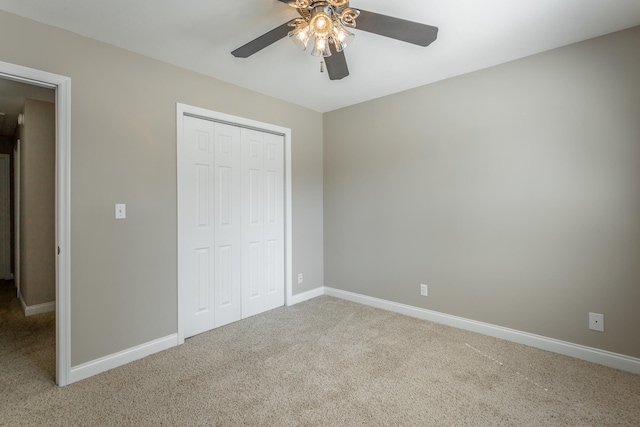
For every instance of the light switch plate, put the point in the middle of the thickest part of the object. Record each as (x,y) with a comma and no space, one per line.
(121,211)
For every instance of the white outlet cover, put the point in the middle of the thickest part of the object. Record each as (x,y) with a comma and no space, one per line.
(596,322)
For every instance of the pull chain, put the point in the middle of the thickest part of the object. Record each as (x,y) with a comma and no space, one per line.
(321,67)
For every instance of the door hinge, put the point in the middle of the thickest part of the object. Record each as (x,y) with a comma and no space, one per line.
(58,250)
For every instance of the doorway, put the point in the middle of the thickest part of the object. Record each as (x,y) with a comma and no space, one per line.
(62,87)
(234,219)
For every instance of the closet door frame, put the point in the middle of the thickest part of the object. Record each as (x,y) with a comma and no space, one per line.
(183,110)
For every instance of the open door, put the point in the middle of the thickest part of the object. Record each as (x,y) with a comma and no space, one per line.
(16,216)
(5,217)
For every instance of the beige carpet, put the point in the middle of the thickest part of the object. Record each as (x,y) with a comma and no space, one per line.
(324,362)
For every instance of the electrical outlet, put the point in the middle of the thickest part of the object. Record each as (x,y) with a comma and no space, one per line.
(424,290)
(300,279)
(596,322)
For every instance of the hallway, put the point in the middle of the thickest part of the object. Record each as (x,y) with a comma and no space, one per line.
(27,344)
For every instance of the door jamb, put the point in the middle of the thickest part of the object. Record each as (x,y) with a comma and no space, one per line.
(16,216)
(181,111)
(62,86)
(5,191)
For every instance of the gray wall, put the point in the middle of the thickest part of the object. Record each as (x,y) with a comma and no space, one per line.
(513,192)
(37,203)
(123,150)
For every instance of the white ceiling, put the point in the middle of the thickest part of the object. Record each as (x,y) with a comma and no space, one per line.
(200,34)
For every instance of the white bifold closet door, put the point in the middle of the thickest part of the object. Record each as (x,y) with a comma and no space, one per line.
(232,204)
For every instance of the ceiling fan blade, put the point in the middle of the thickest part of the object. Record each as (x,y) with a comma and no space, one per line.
(336,64)
(263,41)
(396,28)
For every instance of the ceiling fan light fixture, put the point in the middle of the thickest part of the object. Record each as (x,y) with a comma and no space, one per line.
(341,36)
(321,47)
(300,36)
(321,24)
(324,28)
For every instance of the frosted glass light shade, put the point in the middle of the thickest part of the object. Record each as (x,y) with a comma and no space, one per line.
(300,36)
(342,37)
(321,25)
(321,47)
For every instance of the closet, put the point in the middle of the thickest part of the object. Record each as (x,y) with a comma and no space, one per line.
(231,197)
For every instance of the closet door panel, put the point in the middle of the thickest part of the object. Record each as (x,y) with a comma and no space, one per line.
(228,222)
(274,220)
(254,283)
(197,226)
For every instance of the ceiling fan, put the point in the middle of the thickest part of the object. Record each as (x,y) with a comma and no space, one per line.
(327,21)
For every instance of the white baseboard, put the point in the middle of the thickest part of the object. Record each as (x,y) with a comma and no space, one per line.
(112,361)
(304,296)
(115,360)
(590,354)
(613,360)
(31,310)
